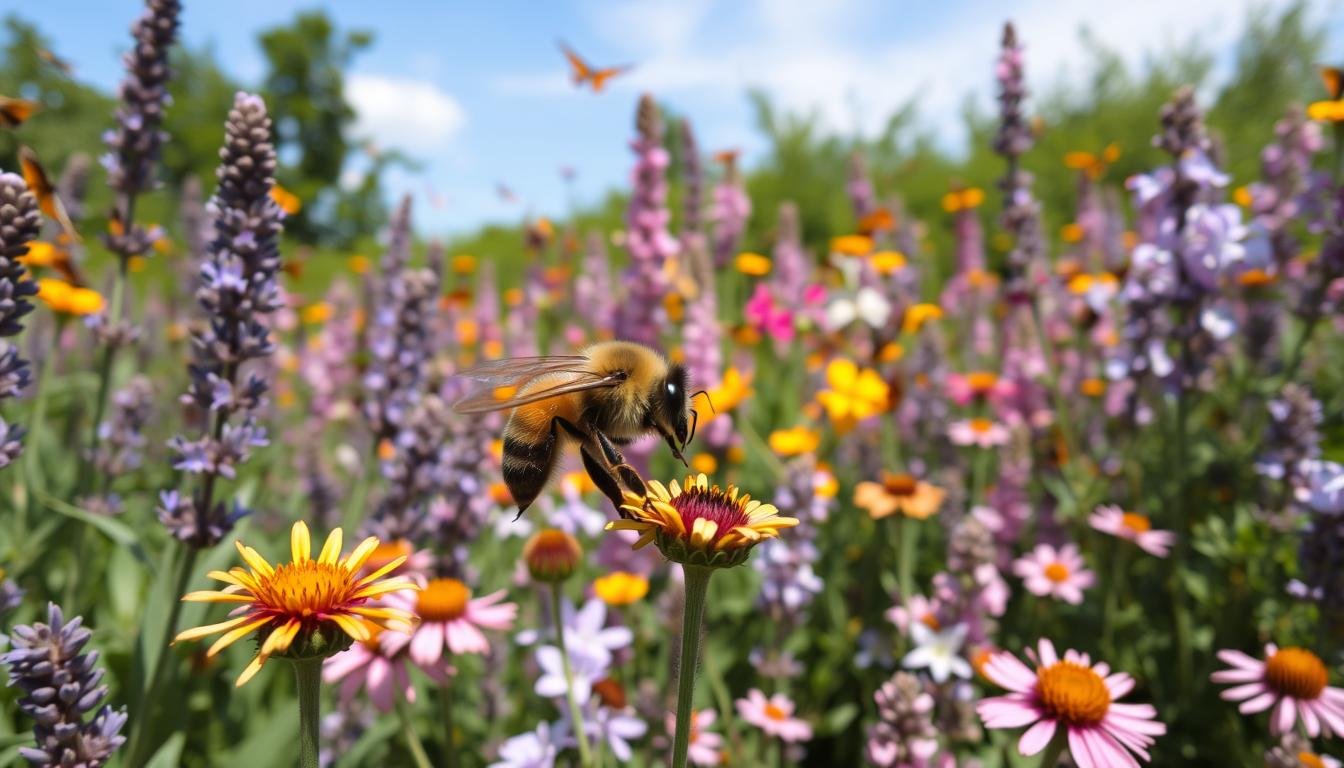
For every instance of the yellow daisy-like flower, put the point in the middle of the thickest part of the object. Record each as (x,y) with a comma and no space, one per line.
(621,588)
(887,262)
(464,264)
(66,299)
(753,264)
(794,441)
(700,524)
(852,245)
(724,396)
(853,393)
(917,316)
(42,254)
(317,313)
(1330,111)
(306,608)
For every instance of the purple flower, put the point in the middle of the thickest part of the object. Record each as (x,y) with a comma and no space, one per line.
(640,317)
(534,749)
(60,686)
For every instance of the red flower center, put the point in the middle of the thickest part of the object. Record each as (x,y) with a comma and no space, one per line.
(709,504)
(1296,672)
(1072,693)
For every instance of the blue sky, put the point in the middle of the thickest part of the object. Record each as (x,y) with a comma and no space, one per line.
(479,90)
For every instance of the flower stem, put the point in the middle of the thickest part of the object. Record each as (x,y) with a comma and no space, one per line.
(135,750)
(909,528)
(308,679)
(1053,751)
(412,740)
(697,586)
(449,725)
(575,712)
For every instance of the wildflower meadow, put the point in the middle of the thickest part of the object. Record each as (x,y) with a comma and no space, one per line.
(850,451)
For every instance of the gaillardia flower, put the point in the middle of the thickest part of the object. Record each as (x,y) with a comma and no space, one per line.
(306,608)
(700,524)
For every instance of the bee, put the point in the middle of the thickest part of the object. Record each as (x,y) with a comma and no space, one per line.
(605,397)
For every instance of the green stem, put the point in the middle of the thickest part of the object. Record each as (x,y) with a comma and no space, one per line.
(449,724)
(1180,610)
(308,680)
(693,614)
(135,750)
(575,712)
(906,558)
(1055,749)
(408,732)
(1118,563)
(1296,356)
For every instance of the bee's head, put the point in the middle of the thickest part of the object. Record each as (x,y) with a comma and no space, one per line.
(673,413)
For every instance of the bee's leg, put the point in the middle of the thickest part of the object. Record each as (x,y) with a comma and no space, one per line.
(604,479)
(628,474)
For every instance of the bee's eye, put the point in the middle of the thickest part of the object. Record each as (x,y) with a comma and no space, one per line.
(671,388)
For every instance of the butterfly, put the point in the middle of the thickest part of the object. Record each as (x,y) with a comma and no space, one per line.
(1333,77)
(56,61)
(879,220)
(583,72)
(40,184)
(13,112)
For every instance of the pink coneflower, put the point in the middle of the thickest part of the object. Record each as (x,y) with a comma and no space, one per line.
(1291,680)
(1132,526)
(371,664)
(981,432)
(773,715)
(918,609)
(1058,573)
(1073,693)
(450,617)
(705,744)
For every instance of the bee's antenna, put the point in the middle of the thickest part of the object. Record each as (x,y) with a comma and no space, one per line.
(707,399)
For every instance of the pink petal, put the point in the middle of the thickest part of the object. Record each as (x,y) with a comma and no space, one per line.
(1332,718)
(381,686)
(464,637)
(427,643)
(1008,671)
(1246,691)
(1240,660)
(1036,738)
(1047,651)
(1119,684)
(1081,750)
(1310,722)
(1107,751)
(1284,715)
(1258,704)
(1000,712)
(1237,675)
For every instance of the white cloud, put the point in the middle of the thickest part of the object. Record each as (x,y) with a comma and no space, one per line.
(413,115)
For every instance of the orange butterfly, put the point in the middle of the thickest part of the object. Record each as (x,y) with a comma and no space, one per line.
(37,180)
(583,72)
(13,112)
(1333,77)
(880,220)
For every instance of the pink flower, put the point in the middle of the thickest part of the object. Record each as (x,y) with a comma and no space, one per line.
(374,665)
(1132,526)
(918,609)
(1291,680)
(450,617)
(773,715)
(963,388)
(765,315)
(1075,694)
(705,744)
(1057,573)
(981,432)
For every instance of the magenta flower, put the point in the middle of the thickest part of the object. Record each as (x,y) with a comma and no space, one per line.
(981,432)
(373,665)
(773,715)
(1134,527)
(705,744)
(1293,681)
(1073,693)
(450,617)
(763,314)
(1058,573)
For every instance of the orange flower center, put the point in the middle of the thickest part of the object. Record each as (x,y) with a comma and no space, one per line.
(1310,760)
(900,485)
(1057,572)
(306,589)
(1296,672)
(386,552)
(610,692)
(981,425)
(443,600)
(1093,387)
(775,713)
(1073,693)
(931,621)
(1136,522)
(981,382)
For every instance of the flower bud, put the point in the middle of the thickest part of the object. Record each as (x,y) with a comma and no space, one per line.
(552,555)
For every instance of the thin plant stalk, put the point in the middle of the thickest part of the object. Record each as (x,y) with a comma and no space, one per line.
(697,587)
(308,679)
(104,376)
(575,712)
(449,723)
(135,749)
(413,744)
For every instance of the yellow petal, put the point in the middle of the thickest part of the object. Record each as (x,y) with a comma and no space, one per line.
(233,635)
(356,559)
(217,597)
(331,551)
(280,639)
(251,670)
(227,578)
(703,530)
(381,572)
(196,633)
(351,626)
(255,560)
(300,542)
(383,587)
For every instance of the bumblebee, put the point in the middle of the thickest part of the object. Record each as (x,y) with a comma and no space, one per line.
(605,397)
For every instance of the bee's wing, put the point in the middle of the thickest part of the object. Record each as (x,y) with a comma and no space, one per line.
(514,373)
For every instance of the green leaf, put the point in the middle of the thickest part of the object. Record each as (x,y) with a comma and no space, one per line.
(170,754)
(111,527)
(838,719)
